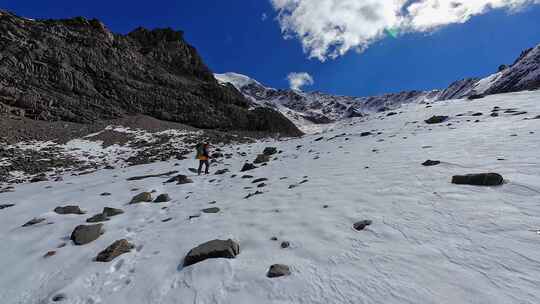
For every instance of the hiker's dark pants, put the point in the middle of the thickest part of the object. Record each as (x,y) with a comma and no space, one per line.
(201,163)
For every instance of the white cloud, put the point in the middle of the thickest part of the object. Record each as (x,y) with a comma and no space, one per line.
(299,80)
(331,28)
(264,16)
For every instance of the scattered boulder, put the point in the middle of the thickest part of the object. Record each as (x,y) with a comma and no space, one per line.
(141,198)
(114,250)
(477,114)
(430,162)
(34,221)
(247,176)
(211,210)
(262,158)
(108,211)
(270,151)
(180,179)
(248,167)
(361,225)
(391,114)
(319,139)
(364,134)
(162,198)
(69,210)
(436,119)
(213,249)
(100,217)
(278,270)
(84,234)
(105,194)
(285,244)
(261,185)
(481,179)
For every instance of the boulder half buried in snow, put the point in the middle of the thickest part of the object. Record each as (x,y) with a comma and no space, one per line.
(480,179)
(213,249)
(436,119)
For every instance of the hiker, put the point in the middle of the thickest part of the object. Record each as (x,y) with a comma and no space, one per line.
(203,157)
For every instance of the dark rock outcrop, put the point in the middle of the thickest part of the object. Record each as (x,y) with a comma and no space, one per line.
(77,70)
(213,249)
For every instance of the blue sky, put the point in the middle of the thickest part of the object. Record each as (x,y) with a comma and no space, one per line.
(232,36)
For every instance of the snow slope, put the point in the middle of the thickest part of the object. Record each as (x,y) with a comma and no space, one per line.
(430,241)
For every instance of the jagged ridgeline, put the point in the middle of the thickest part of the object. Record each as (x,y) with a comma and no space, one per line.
(77,70)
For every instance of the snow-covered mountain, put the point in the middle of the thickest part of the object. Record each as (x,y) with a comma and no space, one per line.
(429,241)
(307,108)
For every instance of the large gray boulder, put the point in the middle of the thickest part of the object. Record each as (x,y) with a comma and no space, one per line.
(278,270)
(213,249)
(481,179)
(141,198)
(69,210)
(84,234)
(114,250)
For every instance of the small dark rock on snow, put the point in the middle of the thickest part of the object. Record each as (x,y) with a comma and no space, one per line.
(247,167)
(258,180)
(162,198)
(4,206)
(278,270)
(34,221)
(211,210)
(430,162)
(436,119)
(361,225)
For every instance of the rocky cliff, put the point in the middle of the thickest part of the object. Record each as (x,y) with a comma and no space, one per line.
(77,70)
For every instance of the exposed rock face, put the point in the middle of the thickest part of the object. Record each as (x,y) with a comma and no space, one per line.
(77,70)
(523,74)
